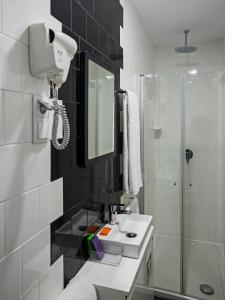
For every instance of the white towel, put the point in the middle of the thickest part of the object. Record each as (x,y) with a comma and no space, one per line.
(132,178)
(78,289)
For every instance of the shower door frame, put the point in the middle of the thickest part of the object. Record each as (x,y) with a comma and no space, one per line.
(181,77)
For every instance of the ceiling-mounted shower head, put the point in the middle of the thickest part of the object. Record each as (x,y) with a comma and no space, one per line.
(186,49)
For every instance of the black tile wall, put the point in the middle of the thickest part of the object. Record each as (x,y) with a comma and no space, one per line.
(92,31)
(95,25)
(98,11)
(88,5)
(62,11)
(79,19)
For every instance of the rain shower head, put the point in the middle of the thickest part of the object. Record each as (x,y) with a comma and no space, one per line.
(186,49)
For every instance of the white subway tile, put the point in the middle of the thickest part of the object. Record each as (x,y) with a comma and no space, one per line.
(51,202)
(10,171)
(36,165)
(35,258)
(15,68)
(1,116)
(32,294)
(22,219)
(0,15)
(30,12)
(10,63)
(10,272)
(18,118)
(17,16)
(51,283)
(29,83)
(2,230)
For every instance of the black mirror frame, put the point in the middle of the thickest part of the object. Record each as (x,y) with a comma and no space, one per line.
(82,152)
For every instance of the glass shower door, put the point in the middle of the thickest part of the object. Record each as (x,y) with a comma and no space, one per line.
(203,184)
(161,96)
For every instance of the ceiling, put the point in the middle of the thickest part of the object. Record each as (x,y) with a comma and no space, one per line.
(166,19)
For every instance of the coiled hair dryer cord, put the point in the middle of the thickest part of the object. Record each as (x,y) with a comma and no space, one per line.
(59,110)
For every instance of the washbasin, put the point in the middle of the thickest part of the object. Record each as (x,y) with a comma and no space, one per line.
(127,236)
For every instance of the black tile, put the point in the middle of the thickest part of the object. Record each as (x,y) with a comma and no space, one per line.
(73,84)
(97,54)
(107,20)
(86,187)
(120,14)
(116,30)
(78,86)
(112,49)
(103,41)
(71,190)
(71,113)
(92,31)
(61,10)
(88,5)
(108,62)
(74,154)
(67,92)
(75,61)
(98,176)
(84,46)
(98,11)
(78,19)
(61,162)
(64,91)
(119,56)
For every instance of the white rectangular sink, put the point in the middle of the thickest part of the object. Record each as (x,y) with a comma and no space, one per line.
(118,240)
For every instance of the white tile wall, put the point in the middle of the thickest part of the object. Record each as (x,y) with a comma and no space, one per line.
(2,230)
(51,202)
(35,258)
(1,117)
(14,64)
(1,15)
(36,165)
(39,11)
(51,283)
(18,30)
(32,294)
(24,167)
(25,220)
(10,270)
(11,63)
(10,171)
(18,118)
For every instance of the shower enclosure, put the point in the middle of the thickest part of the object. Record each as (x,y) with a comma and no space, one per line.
(183,115)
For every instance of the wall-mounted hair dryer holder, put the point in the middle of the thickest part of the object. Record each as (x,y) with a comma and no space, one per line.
(50,57)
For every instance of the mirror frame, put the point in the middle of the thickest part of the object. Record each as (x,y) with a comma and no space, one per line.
(82,159)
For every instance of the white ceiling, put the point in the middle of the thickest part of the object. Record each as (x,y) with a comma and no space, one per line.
(166,19)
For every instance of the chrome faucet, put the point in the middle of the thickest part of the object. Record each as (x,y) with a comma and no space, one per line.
(115,209)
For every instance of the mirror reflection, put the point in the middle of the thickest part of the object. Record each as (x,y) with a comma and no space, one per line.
(100,111)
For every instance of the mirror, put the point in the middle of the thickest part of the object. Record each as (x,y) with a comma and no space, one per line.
(100,110)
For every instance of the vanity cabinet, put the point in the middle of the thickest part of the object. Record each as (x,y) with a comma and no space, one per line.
(118,282)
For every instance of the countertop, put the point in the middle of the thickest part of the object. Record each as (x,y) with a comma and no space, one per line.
(119,278)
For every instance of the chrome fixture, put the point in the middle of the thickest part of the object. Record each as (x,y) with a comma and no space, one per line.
(186,49)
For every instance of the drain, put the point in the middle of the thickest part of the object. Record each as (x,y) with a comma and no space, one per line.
(131,235)
(206,289)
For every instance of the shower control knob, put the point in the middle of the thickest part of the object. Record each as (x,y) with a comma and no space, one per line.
(189,155)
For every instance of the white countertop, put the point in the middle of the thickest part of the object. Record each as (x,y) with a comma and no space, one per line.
(119,278)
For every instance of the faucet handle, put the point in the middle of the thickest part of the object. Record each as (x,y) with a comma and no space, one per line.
(113,209)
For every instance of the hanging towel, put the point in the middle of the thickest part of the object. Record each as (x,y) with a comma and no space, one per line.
(78,288)
(132,178)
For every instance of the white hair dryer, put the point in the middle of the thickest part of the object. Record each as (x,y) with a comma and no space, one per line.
(50,57)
